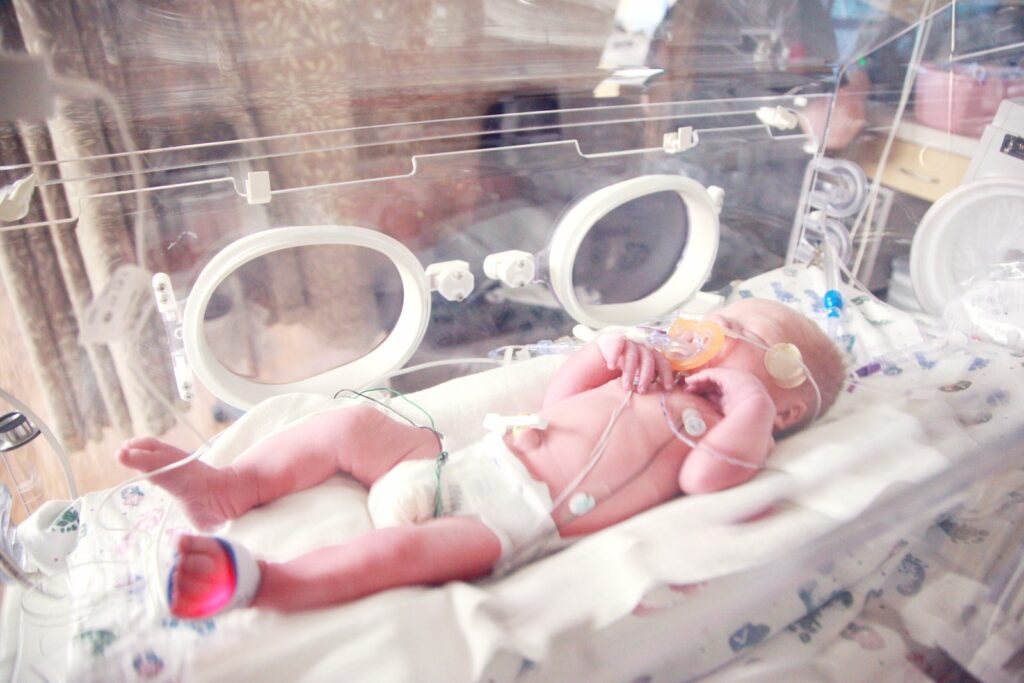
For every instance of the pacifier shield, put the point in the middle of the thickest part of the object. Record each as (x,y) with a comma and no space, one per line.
(707,336)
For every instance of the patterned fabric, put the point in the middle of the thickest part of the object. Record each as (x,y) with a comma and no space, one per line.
(899,606)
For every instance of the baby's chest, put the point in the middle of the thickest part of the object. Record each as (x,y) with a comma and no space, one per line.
(652,439)
(678,416)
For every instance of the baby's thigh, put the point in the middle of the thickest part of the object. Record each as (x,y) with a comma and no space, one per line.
(368,443)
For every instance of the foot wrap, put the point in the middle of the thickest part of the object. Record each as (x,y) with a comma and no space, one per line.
(233,583)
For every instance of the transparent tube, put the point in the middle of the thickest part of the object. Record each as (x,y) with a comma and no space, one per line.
(833,299)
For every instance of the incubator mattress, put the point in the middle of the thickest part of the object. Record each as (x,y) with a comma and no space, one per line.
(659,597)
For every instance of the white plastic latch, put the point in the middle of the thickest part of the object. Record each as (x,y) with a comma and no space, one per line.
(514,268)
(717,195)
(451,279)
(778,117)
(683,139)
(171,314)
(257,187)
(16,198)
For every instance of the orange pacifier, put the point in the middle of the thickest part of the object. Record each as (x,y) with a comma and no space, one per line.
(691,343)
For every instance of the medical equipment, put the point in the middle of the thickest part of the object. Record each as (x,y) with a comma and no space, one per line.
(536,166)
(687,344)
(15,432)
(233,583)
(500,424)
(976,225)
(513,268)
(11,552)
(544,347)
(691,344)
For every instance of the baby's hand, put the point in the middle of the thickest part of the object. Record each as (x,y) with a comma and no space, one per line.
(729,388)
(640,365)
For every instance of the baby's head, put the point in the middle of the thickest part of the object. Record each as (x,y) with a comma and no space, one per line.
(768,322)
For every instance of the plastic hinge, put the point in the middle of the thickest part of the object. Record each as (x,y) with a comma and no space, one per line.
(683,139)
(778,117)
(171,315)
(717,195)
(514,268)
(451,279)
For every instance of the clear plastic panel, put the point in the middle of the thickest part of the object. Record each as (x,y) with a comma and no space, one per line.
(465,128)
(333,320)
(632,250)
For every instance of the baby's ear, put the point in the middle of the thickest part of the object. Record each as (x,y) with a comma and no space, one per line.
(790,414)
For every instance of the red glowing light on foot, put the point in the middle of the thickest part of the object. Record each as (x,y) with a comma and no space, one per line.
(208,598)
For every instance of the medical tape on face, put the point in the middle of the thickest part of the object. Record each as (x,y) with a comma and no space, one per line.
(807,374)
(783,361)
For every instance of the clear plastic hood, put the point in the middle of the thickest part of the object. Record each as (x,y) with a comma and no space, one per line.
(208,206)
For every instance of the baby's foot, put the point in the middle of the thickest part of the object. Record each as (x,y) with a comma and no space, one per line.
(205,492)
(203,579)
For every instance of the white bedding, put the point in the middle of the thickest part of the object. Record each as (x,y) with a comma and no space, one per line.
(658,592)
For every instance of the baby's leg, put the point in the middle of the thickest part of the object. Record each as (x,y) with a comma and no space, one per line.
(356,439)
(445,549)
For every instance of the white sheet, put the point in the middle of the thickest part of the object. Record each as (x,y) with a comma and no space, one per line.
(567,616)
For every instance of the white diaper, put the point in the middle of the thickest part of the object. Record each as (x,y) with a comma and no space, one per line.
(483,480)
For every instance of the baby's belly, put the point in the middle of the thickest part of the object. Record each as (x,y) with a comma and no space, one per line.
(640,458)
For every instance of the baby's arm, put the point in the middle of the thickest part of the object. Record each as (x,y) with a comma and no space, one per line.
(743,434)
(604,359)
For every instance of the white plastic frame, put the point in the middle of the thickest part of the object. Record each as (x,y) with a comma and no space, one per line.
(392,353)
(934,249)
(690,274)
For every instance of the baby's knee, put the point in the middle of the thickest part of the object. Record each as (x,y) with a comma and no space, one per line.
(346,421)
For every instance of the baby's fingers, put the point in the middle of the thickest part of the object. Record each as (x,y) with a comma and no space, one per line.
(646,374)
(629,362)
(611,348)
(664,371)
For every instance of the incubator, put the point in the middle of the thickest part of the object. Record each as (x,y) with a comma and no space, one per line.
(218,219)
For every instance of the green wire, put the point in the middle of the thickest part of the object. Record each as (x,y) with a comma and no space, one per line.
(442,455)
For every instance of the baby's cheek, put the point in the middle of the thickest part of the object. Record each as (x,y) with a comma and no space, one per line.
(737,358)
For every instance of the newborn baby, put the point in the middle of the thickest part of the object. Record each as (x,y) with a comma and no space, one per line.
(499,497)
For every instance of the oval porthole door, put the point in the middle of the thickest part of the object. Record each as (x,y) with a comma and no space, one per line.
(633,251)
(973,227)
(312,309)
